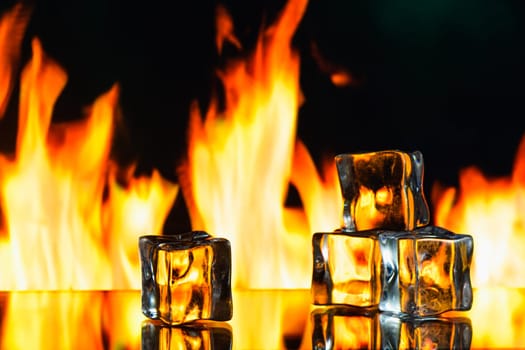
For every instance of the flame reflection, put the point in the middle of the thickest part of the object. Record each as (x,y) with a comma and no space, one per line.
(70,320)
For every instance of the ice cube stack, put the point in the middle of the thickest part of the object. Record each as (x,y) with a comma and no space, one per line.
(386,256)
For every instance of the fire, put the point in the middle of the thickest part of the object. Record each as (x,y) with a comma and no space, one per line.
(492,211)
(94,320)
(59,230)
(240,162)
(69,224)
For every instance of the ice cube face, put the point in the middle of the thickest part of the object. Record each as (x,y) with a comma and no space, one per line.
(346,268)
(346,328)
(382,190)
(425,272)
(186,277)
(203,335)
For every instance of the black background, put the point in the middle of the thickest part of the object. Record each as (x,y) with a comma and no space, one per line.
(444,77)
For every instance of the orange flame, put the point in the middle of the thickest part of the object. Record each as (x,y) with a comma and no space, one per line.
(239,162)
(492,211)
(12,28)
(59,231)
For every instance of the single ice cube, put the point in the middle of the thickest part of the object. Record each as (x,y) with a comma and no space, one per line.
(186,277)
(199,335)
(426,271)
(382,190)
(346,268)
(350,328)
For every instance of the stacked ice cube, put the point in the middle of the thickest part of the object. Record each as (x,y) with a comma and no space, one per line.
(386,256)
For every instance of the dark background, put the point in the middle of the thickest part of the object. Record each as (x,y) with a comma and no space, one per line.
(444,77)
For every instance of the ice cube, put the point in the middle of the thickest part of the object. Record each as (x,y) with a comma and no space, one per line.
(346,268)
(186,277)
(200,335)
(426,271)
(382,190)
(349,328)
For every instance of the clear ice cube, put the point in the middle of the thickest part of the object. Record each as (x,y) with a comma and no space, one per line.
(347,328)
(186,277)
(426,271)
(346,268)
(382,190)
(200,335)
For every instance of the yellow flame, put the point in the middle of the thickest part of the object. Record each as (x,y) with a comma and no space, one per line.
(59,230)
(491,210)
(37,189)
(137,209)
(239,162)
(503,331)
